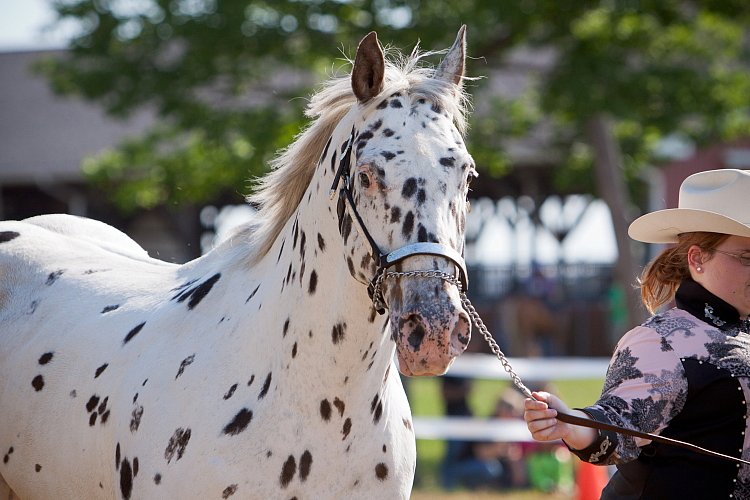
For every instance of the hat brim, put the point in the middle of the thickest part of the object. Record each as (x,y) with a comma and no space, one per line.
(663,226)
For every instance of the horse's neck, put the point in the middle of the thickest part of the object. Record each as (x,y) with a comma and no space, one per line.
(321,319)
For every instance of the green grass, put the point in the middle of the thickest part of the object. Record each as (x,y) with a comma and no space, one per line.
(426,400)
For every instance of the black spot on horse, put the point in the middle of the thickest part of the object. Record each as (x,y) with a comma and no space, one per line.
(287,471)
(100,370)
(286,328)
(347,428)
(230,392)
(396,103)
(374,403)
(38,468)
(387,155)
(338,332)
(409,187)
(422,233)
(281,250)
(250,382)
(345,227)
(408,226)
(197,293)
(92,403)
(239,423)
(448,161)
(45,358)
(202,290)
(252,294)
(325,410)
(313,283)
(378,413)
(54,276)
(135,418)
(32,307)
(381,471)
(294,350)
(110,308)
(104,417)
(92,419)
(305,463)
(185,363)
(321,243)
(133,333)
(340,406)
(6,236)
(126,479)
(177,444)
(135,466)
(395,214)
(229,491)
(383,104)
(7,455)
(117,457)
(421,196)
(325,150)
(266,386)
(157,478)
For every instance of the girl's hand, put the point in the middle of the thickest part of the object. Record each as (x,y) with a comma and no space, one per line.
(539,414)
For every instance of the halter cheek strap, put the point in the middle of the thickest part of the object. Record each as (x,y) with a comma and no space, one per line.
(346,202)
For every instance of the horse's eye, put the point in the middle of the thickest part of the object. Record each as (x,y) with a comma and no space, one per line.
(364,180)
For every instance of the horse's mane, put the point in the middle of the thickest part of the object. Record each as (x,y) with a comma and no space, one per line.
(279,192)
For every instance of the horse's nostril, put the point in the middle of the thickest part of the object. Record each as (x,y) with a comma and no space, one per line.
(416,337)
(413,328)
(461,332)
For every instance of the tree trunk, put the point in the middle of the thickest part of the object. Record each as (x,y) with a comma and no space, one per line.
(611,187)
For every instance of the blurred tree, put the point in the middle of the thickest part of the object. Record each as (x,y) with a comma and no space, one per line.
(223,73)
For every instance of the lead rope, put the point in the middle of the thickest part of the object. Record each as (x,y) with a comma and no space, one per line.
(378,300)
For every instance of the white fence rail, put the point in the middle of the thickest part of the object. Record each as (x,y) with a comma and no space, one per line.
(487,366)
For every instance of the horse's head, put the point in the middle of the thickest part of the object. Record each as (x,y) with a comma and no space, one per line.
(409,173)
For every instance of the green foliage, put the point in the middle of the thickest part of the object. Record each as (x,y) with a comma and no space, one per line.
(223,74)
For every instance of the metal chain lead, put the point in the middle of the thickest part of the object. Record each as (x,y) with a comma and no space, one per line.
(379,301)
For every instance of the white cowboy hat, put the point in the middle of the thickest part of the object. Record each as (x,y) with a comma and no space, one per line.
(715,201)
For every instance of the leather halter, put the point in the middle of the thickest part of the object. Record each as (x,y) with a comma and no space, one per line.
(384,261)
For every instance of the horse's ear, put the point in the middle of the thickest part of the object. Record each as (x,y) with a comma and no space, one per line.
(451,68)
(369,67)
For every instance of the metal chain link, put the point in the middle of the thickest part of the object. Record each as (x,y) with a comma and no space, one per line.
(379,300)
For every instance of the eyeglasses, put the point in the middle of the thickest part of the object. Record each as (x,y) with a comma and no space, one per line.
(744,257)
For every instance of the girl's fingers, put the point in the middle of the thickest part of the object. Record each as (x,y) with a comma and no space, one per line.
(531,415)
(542,424)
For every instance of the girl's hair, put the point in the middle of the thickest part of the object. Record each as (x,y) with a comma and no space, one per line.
(662,276)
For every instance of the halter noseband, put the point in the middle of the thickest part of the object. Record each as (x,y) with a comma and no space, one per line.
(384,261)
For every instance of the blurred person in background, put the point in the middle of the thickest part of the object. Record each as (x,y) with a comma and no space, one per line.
(685,372)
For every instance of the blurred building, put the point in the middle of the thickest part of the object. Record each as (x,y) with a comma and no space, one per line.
(43,141)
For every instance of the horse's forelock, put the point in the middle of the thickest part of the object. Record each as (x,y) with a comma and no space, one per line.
(278,193)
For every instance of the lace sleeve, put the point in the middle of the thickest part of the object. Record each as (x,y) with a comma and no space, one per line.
(644,389)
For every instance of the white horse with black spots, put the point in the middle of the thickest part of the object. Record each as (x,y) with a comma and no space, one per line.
(262,369)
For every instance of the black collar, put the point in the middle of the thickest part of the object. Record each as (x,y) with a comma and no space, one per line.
(693,298)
